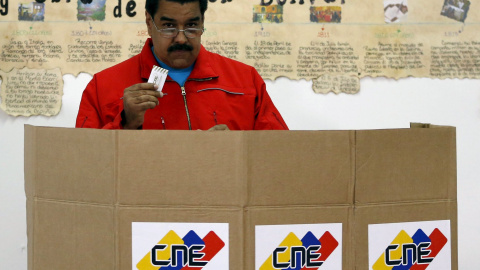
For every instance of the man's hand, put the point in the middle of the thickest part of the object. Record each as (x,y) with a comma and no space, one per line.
(137,99)
(219,127)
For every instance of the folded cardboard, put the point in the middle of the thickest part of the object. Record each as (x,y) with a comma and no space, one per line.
(86,187)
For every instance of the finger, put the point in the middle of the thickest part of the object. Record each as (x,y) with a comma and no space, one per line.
(135,94)
(144,86)
(141,87)
(148,105)
(146,93)
(145,98)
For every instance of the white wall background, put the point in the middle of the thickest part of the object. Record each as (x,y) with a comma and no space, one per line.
(381,103)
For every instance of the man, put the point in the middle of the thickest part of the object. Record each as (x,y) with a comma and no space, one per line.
(202,90)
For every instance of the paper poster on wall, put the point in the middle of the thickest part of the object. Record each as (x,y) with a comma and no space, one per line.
(27,92)
(343,39)
(177,245)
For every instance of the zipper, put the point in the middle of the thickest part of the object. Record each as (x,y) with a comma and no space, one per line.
(215,117)
(226,91)
(203,80)
(163,122)
(86,117)
(184,94)
(280,122)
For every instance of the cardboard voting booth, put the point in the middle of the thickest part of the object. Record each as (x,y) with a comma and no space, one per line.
(370,199)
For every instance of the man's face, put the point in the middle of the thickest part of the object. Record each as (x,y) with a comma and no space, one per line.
(180,51)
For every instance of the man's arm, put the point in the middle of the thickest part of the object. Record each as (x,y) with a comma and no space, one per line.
(137,99)
(267,117)
(126,112)
(90,112)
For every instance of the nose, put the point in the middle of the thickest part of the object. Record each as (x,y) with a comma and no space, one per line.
(180,38)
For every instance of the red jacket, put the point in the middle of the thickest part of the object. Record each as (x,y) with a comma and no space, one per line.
(218,91)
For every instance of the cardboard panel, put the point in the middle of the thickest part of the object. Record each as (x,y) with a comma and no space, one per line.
(181,168)
(405,165)
(299,215)
(407,212)
(95,235)
(300,168)
(30,233)
(54,230)
(74,164)
(30,156)
(73,236)
(232,216)
(85,187)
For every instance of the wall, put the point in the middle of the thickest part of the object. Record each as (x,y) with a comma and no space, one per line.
(381,103)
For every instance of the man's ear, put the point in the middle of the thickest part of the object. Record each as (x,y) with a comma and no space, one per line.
(149,22)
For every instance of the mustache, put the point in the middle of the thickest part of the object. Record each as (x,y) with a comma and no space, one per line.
(180,47)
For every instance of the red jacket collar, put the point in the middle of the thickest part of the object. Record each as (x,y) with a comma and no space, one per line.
(203,68)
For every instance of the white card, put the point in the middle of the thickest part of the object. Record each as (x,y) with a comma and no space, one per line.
(158,77)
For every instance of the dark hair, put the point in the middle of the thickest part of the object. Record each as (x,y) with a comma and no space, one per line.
(152,5)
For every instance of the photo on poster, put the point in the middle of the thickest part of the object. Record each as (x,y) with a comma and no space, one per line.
(395,11)
(93,11)
(456,9)
(31,11)
(298,246)
(164,245)
(267,14)
(410,244)
(331,14)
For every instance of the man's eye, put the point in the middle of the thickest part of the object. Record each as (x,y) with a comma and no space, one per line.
(168,25)
(191,25)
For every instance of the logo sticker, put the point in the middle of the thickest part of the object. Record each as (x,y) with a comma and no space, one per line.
(179,246)
(410,246)
(296,247)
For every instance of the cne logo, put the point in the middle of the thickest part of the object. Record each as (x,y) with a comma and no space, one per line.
(294,253)
(175,252)
(411,253)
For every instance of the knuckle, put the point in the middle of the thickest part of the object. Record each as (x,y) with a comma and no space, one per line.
(147,105)
(139,99)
